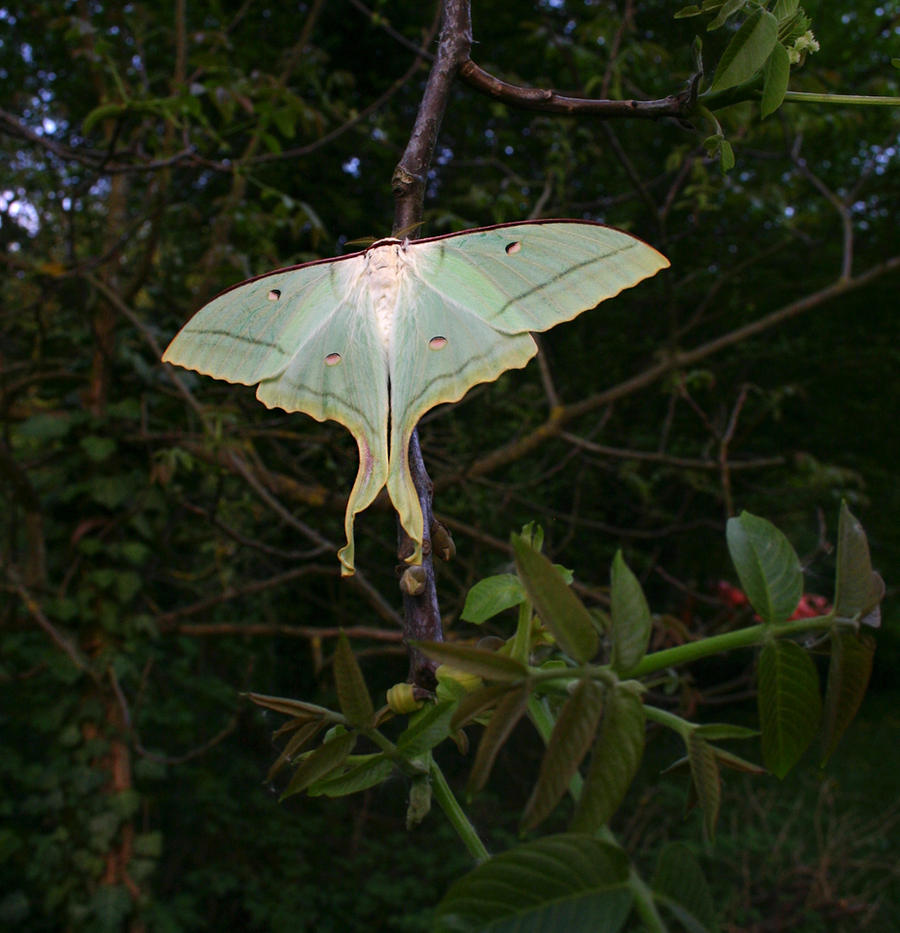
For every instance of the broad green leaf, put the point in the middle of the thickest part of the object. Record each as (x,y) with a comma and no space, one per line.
(895,62)
(615,759)
(679,880)
(491,596)
(630,616)
(487,664)
(790,707)
(705,775)
(785,8)
(724,730)
(726,156)
(748,50)
(306,733)
(477,702)
(427,728)
(296,708)
(767,566)
(353,695)
(848,678)
(568,882)
(858,588)
(502,722)
(570,740)
(687,11)
(325,759)
(776,75)
(558,607)
(727,10)
(358,775)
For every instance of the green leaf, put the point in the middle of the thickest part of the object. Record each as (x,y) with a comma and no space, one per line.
(784,9)
(478,702)
(724,730)
(305,733)
(767,566)
(491,596)
(296,708)
(630,616)
(848,678)
(97,448)
(858,589)
(103,112)
(615,759)
(790,707)
(110,906)
(568,882)
(419,803)
(776,75)
(325,759)
(488,664)
(705,774)
(427,728)
(679,880)
(570,740)
(503,720)
(726,156)
(736,763)
(353,695)
(728,9)
(559,608)
(687,11)
(361,774)
(895,62)
(748,50)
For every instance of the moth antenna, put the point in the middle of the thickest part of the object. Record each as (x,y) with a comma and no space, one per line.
(404,233)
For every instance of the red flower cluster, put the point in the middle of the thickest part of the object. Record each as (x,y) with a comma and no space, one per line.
(810,604)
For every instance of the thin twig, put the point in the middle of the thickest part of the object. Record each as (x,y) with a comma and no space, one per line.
(515,450)
(62,641)
(549,101)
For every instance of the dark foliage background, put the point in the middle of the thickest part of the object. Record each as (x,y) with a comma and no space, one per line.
(167,542)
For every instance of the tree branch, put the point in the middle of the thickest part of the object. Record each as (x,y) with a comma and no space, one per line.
(546,100)
(561,416)
(421,612)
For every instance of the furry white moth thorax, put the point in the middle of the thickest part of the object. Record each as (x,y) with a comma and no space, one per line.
(388,264)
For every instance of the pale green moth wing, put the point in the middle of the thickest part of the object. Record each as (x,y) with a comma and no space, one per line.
(307,335)
(429,318)
(476,296)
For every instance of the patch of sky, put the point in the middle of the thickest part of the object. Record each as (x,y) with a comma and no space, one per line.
(351,166)
(23,214)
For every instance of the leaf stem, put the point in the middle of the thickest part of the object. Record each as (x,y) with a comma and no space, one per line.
(862,100)
(456,815)
(669,720)
(717,644)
